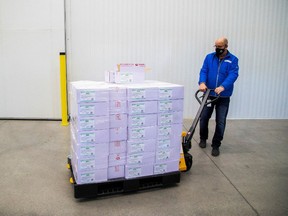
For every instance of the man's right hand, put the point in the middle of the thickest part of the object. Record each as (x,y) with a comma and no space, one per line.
(202,87)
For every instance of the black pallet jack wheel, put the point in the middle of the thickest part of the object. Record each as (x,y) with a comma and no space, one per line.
(188,160)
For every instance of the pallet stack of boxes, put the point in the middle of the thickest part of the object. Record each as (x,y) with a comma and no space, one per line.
(89,113)
(125,127)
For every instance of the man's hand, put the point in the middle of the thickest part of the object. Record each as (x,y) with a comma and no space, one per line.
(219,89)
(202,87)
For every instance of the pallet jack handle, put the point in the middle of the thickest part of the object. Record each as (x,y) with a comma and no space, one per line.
(187,139)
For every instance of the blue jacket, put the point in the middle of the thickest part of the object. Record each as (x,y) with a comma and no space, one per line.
(215,73)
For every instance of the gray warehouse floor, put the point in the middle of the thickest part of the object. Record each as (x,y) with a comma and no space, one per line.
(250,177)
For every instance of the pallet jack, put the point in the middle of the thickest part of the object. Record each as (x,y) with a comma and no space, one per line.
(186,159)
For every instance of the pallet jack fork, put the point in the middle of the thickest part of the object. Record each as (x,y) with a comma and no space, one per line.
(186,159)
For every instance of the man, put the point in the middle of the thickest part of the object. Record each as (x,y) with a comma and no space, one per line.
(219,72)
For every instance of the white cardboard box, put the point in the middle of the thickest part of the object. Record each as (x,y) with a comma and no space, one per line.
(170,105)
(142,107)
(142,120)
(117,92)
(140,158)
(117,106)
(117,159)
(167,142)
(90,109)
(90,176)
(117,147)
(135,171)
(138,146)
(90,151)
(89,163)
(89,91)
(170,118)
(169,131)
(167,90)
(142,132)
(141,92)
(129,77)
(118,120)
(166,167)
(168,154)
(118,134)
(91,123)
(117,171)
(90,137)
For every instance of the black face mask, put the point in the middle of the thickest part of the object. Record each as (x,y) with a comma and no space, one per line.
(219,51)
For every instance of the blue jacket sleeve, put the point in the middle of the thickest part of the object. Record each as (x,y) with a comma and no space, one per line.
(232,75)
(204,72)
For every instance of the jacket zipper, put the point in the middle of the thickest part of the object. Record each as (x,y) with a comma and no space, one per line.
(219,65)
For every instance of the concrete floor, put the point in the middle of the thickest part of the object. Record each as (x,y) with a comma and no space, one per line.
(250,177)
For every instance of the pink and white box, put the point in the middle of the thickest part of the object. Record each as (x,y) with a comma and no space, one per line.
(126,67)
(138,146)
(117,147)
(170,105)
(135,171)
(166,167)
(142,132)
(142,120)
(118,120)
(117,134)
(117,159)
(117,171)
(142,107)
(170,118)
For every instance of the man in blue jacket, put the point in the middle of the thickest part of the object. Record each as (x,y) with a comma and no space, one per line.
(219,72)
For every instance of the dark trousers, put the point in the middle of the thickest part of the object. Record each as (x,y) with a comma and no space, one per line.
(221,106)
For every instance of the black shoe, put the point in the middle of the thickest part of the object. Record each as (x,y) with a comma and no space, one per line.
(215,152)
(202,144)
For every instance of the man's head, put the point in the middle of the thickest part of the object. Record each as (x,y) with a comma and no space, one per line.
(221,45)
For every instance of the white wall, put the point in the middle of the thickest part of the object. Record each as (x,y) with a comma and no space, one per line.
(173,37)
(170,36)
(31,37)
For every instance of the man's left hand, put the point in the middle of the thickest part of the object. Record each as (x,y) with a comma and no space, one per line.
(219,89)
